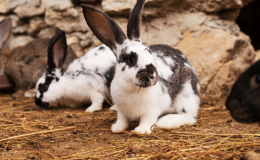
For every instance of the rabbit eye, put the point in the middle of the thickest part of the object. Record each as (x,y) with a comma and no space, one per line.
(257,79)
(43,88)
(131,61)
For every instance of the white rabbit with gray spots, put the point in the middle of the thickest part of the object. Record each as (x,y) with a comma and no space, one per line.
(155,84)
(81,83)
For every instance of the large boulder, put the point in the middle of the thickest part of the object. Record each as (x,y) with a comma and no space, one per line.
(218,58)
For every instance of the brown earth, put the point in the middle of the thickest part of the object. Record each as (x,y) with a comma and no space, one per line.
(27,132)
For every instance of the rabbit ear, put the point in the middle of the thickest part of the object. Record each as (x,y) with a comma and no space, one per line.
(106,30)
(5,30)
(57,50)
(134,21)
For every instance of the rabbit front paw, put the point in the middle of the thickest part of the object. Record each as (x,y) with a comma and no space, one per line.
(119,127)
(94,107)
(142,130)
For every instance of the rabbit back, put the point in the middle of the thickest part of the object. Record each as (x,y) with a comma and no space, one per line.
(174,70)
(99,61)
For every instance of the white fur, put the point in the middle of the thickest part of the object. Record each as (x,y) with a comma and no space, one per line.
(147,104)
(163,69)
(187,100)
(133,88)
(78,90)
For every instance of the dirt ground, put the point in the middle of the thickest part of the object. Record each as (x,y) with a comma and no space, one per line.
(27,132)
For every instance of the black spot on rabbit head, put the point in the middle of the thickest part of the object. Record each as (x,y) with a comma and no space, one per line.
(41,88)
(101,48)
(129,59)
(146,77)
(57,51)
(244,99)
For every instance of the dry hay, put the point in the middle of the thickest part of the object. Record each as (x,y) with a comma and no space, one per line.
(27,132)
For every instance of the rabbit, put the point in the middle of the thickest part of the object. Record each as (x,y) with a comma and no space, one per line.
(243,101)
(25,65)
(81,83)
(150,82)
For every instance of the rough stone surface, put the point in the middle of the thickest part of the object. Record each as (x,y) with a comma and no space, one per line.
(21,29)
(257,57)
(226,25)
(11,4)
(122,7)
(16,41)
(47,32)
(218,58)
(169,29)
(58,4)
(73,42)
(212,6)
(36,25)
(2,18)
(69,20)
(3,7)
(26,12)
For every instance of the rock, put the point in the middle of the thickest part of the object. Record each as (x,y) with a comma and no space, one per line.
(85,43)
(80,35)
(3,7)
(30,93)
(229,14)
(15,20)
(122,7)
(257,57)
(19,26)
(16,41)
(11,4)
(47,32)
(169,30)
(251,156)
(27,12)
(73,42)
(71,19)
(58,4)
(229,26)
(218,58)
(213,6)
(36,25)
(2,18)
(21,29)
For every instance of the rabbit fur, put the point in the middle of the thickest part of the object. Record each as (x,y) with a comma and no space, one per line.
(244,99)
(150,83)
(24,65)
(81,83)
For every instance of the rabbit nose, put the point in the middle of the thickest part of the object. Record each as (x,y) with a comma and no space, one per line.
(152,76)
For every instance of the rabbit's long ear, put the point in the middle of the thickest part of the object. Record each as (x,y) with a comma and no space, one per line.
(106,30)
(135,20)
(57,50)
(5,30)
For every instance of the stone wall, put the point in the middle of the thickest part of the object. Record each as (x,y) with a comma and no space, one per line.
(204,30)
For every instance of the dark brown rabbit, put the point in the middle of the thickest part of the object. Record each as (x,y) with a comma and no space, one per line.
(244,99)
(25,65)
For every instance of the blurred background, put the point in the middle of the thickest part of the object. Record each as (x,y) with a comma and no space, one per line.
(219,37)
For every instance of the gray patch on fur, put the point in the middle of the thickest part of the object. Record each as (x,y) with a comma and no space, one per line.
(181,73)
